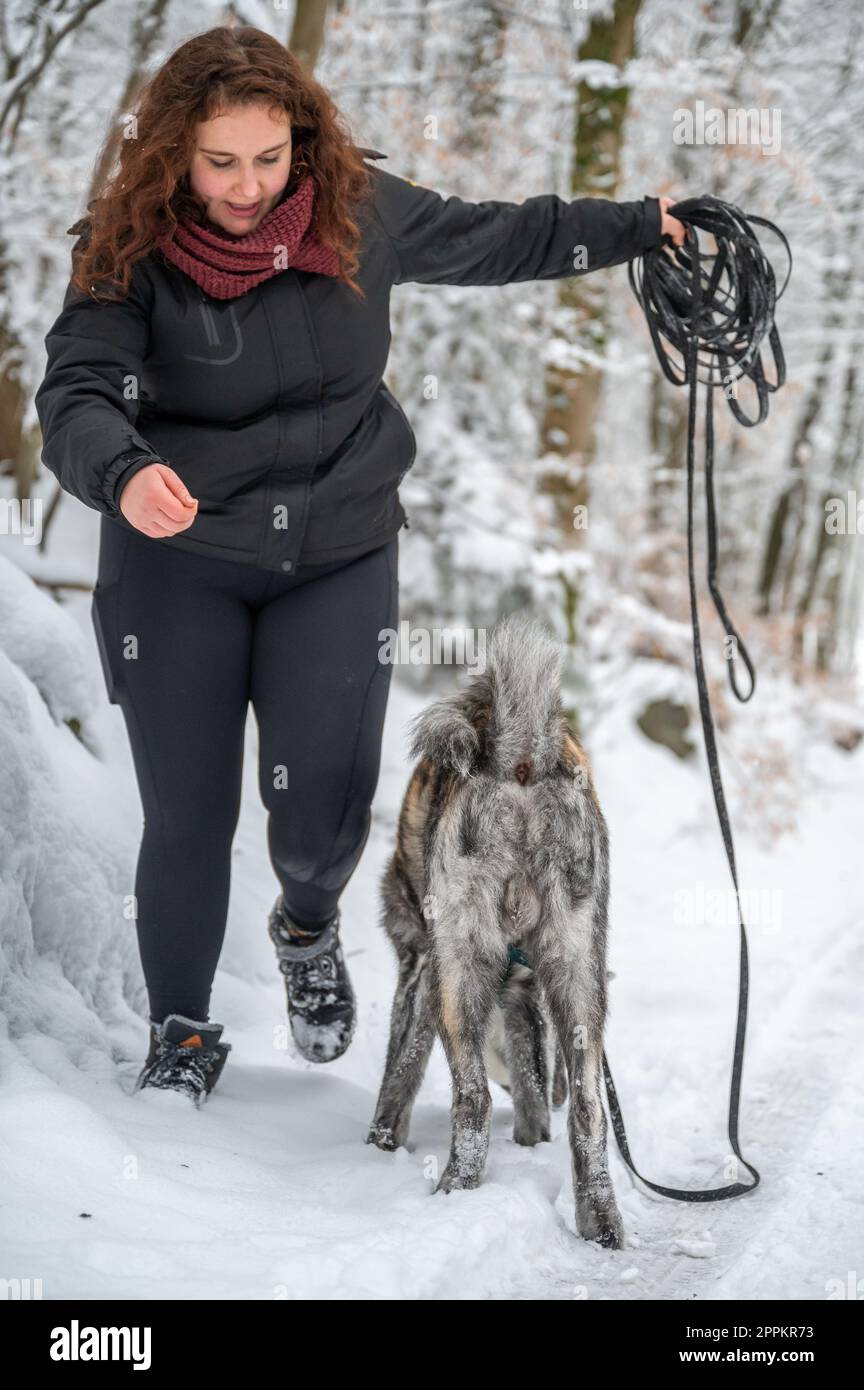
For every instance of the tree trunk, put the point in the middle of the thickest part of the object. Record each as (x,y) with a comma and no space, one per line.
(569,423)
(307,32)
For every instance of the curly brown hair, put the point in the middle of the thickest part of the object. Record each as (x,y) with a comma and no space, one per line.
(224,67)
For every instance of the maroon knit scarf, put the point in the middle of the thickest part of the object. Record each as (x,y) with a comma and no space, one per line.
(226,265)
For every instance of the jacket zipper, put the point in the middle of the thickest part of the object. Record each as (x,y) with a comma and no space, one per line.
(214,338)
(281,385)
(209,324)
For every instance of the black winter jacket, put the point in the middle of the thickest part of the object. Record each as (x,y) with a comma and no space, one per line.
(271,406)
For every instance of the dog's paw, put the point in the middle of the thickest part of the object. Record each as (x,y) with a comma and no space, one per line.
(531,1132)
(383,1137)
(610,1236)
(453,1181)
(603,1227)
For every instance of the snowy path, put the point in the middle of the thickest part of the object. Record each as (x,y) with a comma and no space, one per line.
(800,1114)
(270,1192)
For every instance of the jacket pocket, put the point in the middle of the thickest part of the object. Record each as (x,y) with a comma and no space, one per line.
(223,347)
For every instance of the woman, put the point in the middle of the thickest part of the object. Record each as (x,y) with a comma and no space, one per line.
(214,389)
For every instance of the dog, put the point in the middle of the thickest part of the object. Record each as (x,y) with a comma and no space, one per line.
(495,900)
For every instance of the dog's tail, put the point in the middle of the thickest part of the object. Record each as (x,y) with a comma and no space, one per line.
(509,714)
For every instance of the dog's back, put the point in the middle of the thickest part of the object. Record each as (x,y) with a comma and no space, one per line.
(502,775)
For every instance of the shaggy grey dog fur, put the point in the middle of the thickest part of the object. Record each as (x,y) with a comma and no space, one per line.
(501,843)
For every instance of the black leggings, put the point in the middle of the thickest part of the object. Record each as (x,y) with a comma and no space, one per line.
(186,641)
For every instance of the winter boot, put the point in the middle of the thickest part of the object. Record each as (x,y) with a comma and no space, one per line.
(321,1002)
(185,1055)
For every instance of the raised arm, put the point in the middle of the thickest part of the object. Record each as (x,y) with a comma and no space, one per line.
(87,401)
(448,241)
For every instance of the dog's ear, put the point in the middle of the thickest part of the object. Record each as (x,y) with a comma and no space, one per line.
(444,733)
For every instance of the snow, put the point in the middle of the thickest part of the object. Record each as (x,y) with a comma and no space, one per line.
(269,1190)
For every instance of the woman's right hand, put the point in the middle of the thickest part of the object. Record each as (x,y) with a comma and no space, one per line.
(669,225)
(156,501)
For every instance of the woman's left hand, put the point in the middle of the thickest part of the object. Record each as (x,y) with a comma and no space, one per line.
(670,225)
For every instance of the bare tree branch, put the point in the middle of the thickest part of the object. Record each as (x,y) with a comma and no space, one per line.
(24,69)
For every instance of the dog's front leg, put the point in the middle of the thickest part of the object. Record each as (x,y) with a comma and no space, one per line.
(412,1033)
(468,982)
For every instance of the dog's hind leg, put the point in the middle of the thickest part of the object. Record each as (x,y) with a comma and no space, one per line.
(574,981)
(526,1042)
(412,1033)
(469,966)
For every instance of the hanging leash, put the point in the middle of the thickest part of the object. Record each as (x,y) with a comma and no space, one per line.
(715,311)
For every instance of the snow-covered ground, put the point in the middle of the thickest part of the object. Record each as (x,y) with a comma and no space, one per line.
(269,1191)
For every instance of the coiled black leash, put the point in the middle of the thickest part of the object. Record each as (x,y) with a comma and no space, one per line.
(715,310)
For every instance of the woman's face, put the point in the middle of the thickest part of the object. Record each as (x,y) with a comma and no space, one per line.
(241,165)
